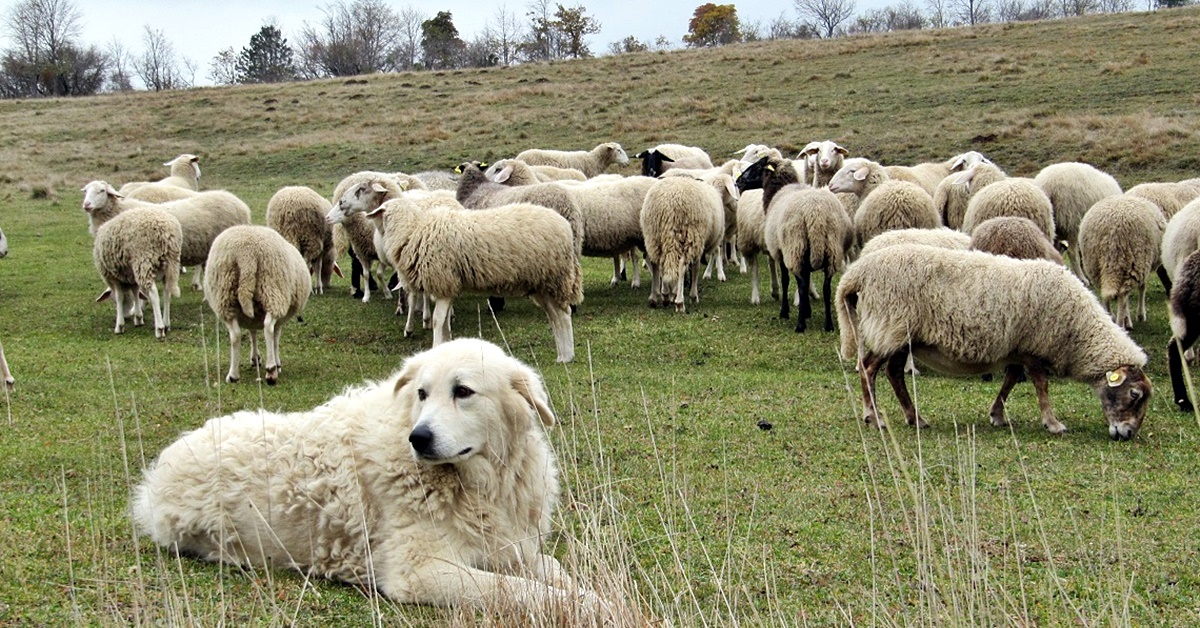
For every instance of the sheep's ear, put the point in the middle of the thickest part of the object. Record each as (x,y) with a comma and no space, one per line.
(111,191)
(731,187)
(104,296)
(376,213)
(378,187)
(458,169)
(742,151)
(404,185)
(1116,378)
(770,168)
(964,177)
(504,174)
(337,270)
(840,149)
(642,155)
(862,173)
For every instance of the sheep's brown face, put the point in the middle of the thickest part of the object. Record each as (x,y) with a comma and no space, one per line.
(1125,396)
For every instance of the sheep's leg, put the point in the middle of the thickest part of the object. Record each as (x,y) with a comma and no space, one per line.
(1163,277)
(1123,317)
(804,308)
(617,271)
(826,289)
(695,272)
(895,374)
(560,325)
(1012,375)
(655,284)
(868,368)
(441,320)
(1041,383)
(370,281)
(1142,302)
(383,281)
(741,260)
(774,278)
(118,295)
(271,331)
(784,301)
(9,382)
(752,262)
(196,277)
(637,269)
(160,328)
(1175,366)
(255,357)
(235,351)
(1073,254)
(427,311)
(680,285)
(414,305)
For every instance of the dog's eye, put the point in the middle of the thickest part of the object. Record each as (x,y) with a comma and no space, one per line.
(421,394)
(462,392)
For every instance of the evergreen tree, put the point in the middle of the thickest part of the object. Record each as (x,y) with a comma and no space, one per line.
(268,58)
(440,44)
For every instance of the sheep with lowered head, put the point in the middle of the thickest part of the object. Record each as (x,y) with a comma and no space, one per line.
(967,313)
(941,237)
(1120,240)
(884,203)
(1010,197)
(806,229)
(133,251)
(1184,309)
(256,280)
(590,163)
(298,214)
(953,193)
(1073,188)
(682,219)
(1015,237)
(516,172)
(1181,237)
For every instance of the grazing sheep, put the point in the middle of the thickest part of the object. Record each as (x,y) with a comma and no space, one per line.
(158,193)
(1169,197)
(967,312)
(1011,197)
(257,280)
(476,191)
(1181,237)
(202,217)
(1014,237)
(753,152)
(511,250)
(435,180)
(806,229)
(884,204)
(590,163)
(953,193)
(1073,188)
(298,214)
(682,220)
(941,237)
(823,159)
(185,173)
(750,242)
(132,251)
(1120,241)
(929,175)
(663,157)
(1184,307)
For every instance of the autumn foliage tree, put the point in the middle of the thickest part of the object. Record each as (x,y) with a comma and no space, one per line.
(713,25)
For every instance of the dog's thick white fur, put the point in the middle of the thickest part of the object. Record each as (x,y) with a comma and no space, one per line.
(435,485)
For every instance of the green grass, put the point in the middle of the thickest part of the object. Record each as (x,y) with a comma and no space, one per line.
(683,502)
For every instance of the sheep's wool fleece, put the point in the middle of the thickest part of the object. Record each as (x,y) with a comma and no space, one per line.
(1120,240)
(1011,197)
(681,219)
(979,310)
(894,205)
(298,214)
(136,245)
(808,223)
(253,271)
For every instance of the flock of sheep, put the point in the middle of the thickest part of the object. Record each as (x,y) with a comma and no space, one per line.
(953,262)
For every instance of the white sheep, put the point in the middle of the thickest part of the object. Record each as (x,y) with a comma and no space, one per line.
(884,203)
(928,175)
(823,159)
(664,157)
(1073,188)
(476,191)
(133,251)
(185,173)
(941,237)
(360,232)
(1016,237)
(590,163)
(298,214)
(256,280)
(967,313)
(202,217)
(682,220)
(1181,237)
(806,229)
(750,242)
(1015,196)
(953,193)
(512,250)
(157,192)
(434,180)
(1170,197)
(516,172)
(1120,241)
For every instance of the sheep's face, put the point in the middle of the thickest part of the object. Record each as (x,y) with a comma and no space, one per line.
(96,195)
(1125,395)
(851,177)
(752,177)
(363,197)
(652,162)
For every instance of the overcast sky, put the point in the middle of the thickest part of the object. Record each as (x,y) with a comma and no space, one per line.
(200,29)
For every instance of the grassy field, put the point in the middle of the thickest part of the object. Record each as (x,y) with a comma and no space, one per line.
(677,500)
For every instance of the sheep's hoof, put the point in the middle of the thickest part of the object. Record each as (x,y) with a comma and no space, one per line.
(272,375)
(775,295)
(829,326)
(1185,405)
(998,417)
(408,334)
(754,301)
(10,384)
(918,422)
(873,421)
(636,284)
(652,303)
(160,332)
(1056,428)
(357,294)
(680,308)
(229,379)
(255,360)
(119,329)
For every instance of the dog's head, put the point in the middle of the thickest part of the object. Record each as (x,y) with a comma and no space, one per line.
(468,397)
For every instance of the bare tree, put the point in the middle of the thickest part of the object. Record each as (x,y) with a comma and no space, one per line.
(222,70)
(408,52)
(158,67)
(120,76)
(506,35)
(1115,6)
(45,58)
(1072,8)
(825,15)
(359,37)
(938,13)
(971,11)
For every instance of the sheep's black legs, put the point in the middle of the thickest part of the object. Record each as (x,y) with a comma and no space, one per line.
(785,303)
(1175,366)
(895,373)
(868,368)
(1012,375)
(805,309)
(1165,279)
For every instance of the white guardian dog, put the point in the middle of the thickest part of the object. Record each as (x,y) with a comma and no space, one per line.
(435,486)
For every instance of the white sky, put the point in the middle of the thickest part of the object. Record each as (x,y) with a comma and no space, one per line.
(200,29)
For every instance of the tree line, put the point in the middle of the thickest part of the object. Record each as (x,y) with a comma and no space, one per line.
(47,57)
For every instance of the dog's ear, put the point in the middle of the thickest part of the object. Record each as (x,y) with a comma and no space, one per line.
(407,375)
(528,386)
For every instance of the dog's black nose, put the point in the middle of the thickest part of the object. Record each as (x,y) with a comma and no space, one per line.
(421,439)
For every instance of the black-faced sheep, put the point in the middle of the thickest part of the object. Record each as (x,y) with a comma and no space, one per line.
(664,157)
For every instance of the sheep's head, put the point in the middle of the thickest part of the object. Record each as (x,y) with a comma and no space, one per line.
(827,155)
(1125,395)
(184,164)
(752,177)
(967,160)
(851,177)
(753,152)
(618,153)
(652,162)
(96,195)
(468,166)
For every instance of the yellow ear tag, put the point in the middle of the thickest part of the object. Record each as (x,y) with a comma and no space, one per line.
(770,168)
(458,169)
(1115,379)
